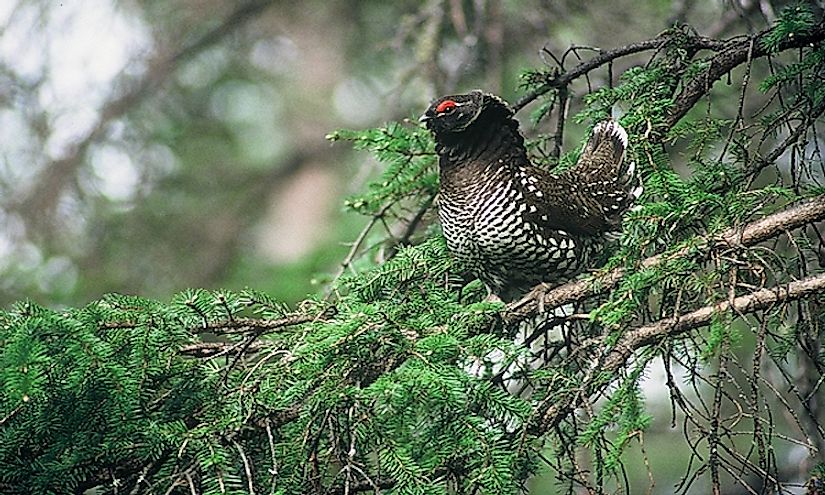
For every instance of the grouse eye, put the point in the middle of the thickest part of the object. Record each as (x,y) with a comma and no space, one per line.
(445,106)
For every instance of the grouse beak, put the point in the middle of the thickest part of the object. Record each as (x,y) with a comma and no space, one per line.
(424,118)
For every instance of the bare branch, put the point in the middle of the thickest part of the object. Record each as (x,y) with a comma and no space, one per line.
(247,466)
(731,16)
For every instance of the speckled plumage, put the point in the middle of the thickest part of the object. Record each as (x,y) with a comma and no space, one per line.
(510,223)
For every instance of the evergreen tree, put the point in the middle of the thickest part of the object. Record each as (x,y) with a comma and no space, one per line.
(394,382)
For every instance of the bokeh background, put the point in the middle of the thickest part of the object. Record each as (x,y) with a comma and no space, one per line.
(151,146)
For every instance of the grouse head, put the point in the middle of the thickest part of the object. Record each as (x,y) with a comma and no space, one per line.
(455,114)
(466,124)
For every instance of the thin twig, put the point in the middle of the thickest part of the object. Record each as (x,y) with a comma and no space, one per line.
(356,245)
(246,466)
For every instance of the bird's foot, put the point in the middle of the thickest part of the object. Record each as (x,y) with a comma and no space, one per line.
(493,298)
(538,293)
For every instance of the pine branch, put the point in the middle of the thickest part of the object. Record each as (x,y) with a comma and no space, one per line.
(803,213)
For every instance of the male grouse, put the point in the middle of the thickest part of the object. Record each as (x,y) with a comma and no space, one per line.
(514,225)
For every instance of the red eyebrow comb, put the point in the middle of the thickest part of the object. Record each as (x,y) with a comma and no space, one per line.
(445,105)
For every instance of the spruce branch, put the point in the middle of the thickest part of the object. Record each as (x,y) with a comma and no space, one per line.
(618,355)
(379,396)
(729,54)
(368,485)
(215,349)
(356,244)
(560,79)
(735,53)
(258,327)
(803,213)
(758,165)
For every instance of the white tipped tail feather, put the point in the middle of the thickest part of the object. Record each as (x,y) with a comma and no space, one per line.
(611,128)
(612,180)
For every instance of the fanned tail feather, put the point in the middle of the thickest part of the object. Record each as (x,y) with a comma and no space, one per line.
(613,180)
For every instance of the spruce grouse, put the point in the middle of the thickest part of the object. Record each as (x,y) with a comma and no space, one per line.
(514,225)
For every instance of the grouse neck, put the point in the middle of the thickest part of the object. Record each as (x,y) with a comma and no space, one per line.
(486,141)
